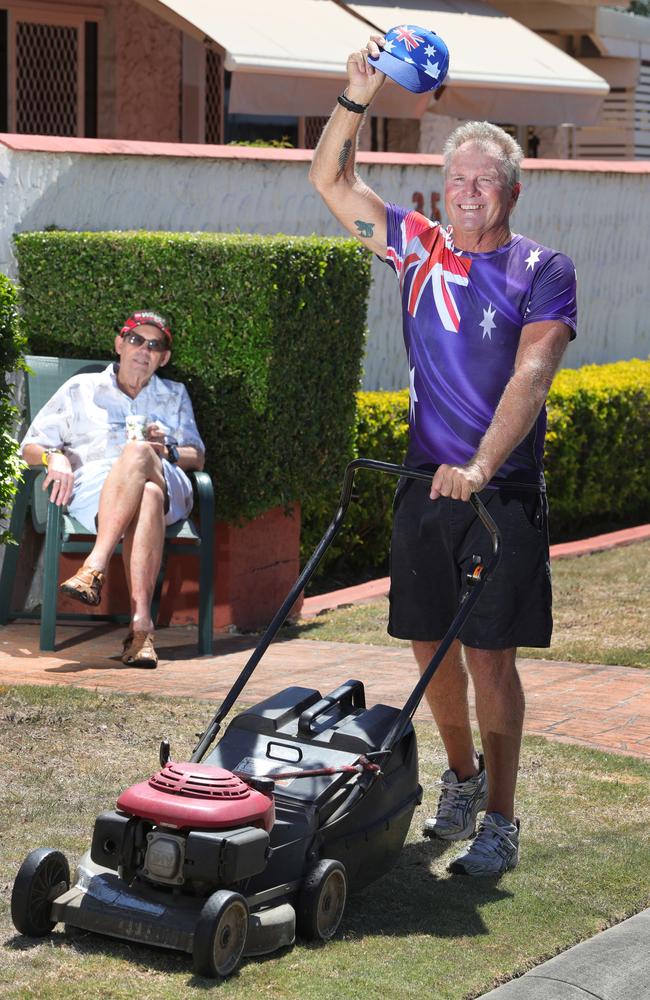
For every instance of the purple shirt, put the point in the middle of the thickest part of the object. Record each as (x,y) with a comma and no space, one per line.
(462,319)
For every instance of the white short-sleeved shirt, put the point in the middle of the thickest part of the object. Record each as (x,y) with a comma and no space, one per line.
(86,418)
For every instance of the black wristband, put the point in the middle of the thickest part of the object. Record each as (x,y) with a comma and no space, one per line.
(349,105)
(172,455)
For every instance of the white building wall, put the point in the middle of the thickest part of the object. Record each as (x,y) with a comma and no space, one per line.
(599,216)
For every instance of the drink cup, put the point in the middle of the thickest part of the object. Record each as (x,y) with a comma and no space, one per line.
(135,427)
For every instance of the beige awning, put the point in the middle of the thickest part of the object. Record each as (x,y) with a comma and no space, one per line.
(498,68)
(276,94)
(304,37)
(288,57)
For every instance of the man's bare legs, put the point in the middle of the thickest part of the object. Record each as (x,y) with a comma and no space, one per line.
(499,709)
(447,699)
(142,553)
(121,498)
(131,506)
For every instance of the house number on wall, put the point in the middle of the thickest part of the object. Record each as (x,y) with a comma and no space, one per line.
(418,200)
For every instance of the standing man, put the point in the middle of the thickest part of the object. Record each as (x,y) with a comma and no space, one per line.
(117,445)
(487,316)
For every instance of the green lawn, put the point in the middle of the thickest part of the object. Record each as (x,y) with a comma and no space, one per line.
(418,932)
(601,609)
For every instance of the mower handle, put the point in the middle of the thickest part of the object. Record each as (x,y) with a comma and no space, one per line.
(208,736)
(351,693)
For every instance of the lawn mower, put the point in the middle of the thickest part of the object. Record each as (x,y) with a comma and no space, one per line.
(260,837)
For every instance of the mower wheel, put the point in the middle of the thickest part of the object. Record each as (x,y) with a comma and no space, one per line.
(43,876)
(220,934)
(321,901)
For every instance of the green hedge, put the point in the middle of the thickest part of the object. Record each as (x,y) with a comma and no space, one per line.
(268,338)
(597,464)
(598,446)
(361,548)
(11,349)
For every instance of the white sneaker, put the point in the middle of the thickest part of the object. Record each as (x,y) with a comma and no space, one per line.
(458,805)
(494,850)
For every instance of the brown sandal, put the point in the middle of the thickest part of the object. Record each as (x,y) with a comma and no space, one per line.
(127,642)
(85,586)
(139,651)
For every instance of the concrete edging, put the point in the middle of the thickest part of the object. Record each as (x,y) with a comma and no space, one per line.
(612,965)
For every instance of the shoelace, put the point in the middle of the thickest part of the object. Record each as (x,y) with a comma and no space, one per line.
(492,837)
(451,798)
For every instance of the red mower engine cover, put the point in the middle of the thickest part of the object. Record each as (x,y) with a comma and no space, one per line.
(198,797)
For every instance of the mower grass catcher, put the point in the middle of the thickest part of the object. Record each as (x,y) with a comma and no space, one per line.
(304,798)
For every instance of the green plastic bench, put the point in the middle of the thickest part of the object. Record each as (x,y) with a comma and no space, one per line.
(65,534)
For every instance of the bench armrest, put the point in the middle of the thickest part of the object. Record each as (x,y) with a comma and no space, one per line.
(204,491)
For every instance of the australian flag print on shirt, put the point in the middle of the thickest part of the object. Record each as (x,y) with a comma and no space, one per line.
(462,319)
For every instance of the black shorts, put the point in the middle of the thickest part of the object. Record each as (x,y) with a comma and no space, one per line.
(432,549)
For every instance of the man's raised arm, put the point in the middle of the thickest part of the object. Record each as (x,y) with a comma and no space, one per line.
(332,173)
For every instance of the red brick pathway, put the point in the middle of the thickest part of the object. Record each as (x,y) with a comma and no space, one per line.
(598,706)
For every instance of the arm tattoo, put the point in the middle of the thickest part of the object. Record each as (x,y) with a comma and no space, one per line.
(344,156)
(365,229)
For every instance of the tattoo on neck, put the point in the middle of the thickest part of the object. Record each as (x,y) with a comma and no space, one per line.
(344,155)
(364,229)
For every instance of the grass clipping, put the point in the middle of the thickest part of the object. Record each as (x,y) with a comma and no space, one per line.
(416,932)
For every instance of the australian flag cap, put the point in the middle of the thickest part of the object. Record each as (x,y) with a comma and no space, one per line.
(416,58)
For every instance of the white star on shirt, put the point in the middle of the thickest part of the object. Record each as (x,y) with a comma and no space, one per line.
(413,396)
(409,60)
(389,45)
(488,324)
(432,69)
(532,259)
(429,50)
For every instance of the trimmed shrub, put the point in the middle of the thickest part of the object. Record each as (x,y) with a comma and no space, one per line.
(11,348)
(361,547)
(268,338)
(598,446)
(597,464)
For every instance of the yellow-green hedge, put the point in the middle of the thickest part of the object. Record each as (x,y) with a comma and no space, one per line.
(597,464)
(361,547)
(598,445)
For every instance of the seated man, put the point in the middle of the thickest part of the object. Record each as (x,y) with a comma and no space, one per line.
(117,445)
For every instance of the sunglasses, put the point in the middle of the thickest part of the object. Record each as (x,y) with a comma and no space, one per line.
(152,345)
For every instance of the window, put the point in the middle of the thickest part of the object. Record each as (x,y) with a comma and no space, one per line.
(263,128)
(213,96)
(50,71)
(47,71)
(312,129)
(202,92)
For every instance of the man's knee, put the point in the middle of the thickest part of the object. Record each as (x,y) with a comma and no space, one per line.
(138,455)
(153,496)
(425,651)
(422,649)
(494,663)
